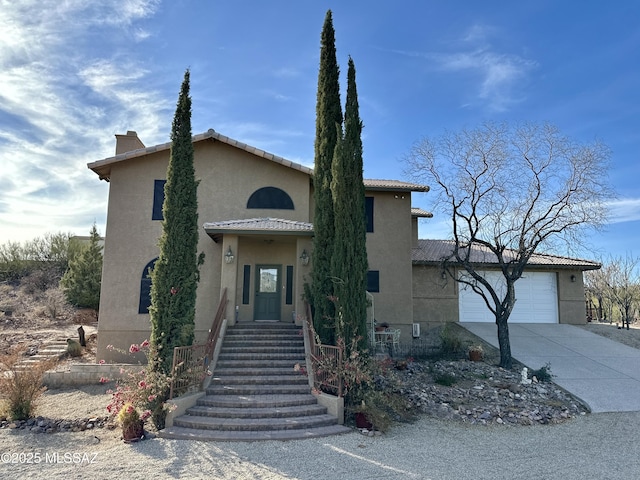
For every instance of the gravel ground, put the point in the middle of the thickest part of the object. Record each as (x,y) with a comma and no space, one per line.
(596,446)
(600,446)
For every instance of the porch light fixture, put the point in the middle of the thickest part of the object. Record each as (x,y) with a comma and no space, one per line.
(304,257)
(228,257)
(573,278)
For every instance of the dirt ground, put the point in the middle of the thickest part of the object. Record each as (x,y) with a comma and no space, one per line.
(629,337)
(36,318)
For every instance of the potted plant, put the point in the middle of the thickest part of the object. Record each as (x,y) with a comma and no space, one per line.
(476,353)
(381,327)
(360,414)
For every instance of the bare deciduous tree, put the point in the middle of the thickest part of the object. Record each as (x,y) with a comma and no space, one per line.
(617,285)
(511,191)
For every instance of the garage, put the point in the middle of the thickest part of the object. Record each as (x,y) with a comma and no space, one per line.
(536,299)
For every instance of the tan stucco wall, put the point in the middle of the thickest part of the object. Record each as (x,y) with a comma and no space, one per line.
(435,300)
(228,176)
(389,252)
(571,300)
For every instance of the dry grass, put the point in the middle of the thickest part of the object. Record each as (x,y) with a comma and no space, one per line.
(20,385)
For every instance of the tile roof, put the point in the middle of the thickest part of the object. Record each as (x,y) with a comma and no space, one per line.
(419,212)
(433,251)
(259,225)
(394,185)
(103,167)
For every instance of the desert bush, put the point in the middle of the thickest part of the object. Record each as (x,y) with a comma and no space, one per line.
(54,302)
(20,388)
(543,374)
(450,341)
(74,349)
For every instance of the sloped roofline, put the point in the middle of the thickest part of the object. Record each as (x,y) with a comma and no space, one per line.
(103,167)
(432,252)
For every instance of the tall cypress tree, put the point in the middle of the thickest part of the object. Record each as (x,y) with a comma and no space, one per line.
(175,275)
(349,265)
(328,124)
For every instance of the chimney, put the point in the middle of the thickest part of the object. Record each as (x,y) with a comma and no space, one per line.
(128,142)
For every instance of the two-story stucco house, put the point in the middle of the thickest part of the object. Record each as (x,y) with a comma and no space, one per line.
(256,212)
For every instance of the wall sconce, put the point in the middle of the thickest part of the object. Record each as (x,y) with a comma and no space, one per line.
(573,278)
(228,257)
(304,257)
(443,275)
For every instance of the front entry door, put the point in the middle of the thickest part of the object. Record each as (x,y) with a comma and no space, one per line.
(267,306)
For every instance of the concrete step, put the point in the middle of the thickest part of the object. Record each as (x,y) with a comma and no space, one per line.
(254,424)
(295,356)
(299,349)
(260,363)
(257,401)
(257,412)
(181,433)
(259,340)
(258,389)
(260,380)
(252,370)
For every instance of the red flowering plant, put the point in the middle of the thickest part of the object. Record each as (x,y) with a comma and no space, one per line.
(139,392)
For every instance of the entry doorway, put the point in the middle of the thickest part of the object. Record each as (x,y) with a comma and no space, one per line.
(268,292)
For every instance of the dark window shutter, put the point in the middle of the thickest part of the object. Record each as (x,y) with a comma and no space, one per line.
(158,199)
(368,211)
(246,283)
(289,289)
(373,281)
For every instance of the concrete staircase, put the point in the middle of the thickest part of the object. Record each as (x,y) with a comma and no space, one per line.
(50,350)
(255,393)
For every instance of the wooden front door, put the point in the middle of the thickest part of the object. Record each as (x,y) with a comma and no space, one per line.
(268,293)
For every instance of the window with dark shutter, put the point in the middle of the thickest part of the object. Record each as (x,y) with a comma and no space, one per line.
(145,287)
(373,281)
(158,199)
(368,211)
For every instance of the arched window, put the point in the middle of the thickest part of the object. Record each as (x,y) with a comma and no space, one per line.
(270,197)
(145,287)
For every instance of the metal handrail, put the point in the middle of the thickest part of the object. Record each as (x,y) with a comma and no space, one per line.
(326,362)
(190,363)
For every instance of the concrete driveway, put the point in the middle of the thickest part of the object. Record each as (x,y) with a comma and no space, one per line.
(602,373)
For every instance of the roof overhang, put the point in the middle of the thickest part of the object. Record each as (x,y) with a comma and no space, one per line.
(103,167)
(420,213)
(258,226)
(433,252)
(393,186)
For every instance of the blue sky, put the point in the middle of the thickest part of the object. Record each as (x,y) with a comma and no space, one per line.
(74,73)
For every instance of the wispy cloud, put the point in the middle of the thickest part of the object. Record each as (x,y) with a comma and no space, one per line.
(58,97)
(624,210)
(499,75)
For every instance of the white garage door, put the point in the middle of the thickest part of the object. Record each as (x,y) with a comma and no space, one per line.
(536,299)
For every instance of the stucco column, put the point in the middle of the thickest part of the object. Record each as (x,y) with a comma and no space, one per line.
(229,275)
(303,274)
